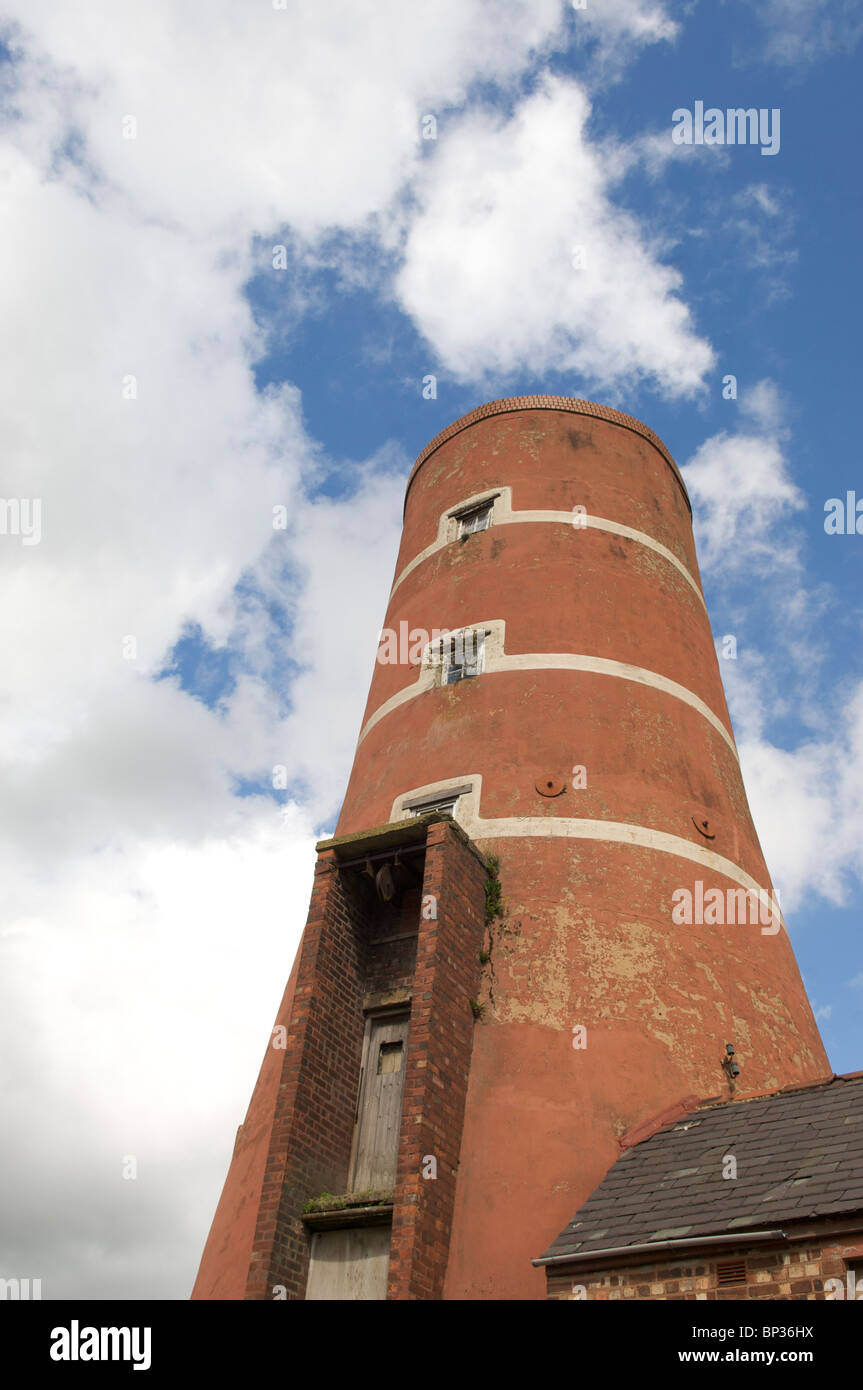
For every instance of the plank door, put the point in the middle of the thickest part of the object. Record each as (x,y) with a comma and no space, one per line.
(379,1110)
(349,1265)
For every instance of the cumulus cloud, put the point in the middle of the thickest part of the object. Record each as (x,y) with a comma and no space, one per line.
(743,492)
(247,117)
(518,256)
(346,544)
(807,802)
(124,975)
(799,738)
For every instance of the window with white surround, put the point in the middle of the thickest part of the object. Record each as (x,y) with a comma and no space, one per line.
(445,804)
(463,656)
(457,655)
(442,797)
(476,519)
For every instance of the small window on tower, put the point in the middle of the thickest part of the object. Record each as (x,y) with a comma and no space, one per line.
(477,519)
(463,656)
(446,804)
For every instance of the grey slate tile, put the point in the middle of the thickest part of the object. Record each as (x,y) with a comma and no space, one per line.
(797,1156)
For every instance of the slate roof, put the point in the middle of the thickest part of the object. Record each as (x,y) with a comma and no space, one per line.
(799,1155)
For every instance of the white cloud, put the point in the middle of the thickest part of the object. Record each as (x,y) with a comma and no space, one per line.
(249,116)
(806,799)
(646,21)
(807,804)
(614,31)
(801,32)
(743,493)
(758,223)
(345,552)
(138,988)
(489,274)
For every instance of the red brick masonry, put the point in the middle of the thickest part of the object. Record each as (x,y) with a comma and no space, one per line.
(795,1269)
(438,1064)
(259,1246)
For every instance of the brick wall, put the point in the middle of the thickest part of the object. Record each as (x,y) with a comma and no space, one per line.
(391,964)
(311,1139)
(348,954)
(438,1062)
(787,1270)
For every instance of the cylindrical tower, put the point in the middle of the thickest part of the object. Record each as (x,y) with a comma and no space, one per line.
(547,676)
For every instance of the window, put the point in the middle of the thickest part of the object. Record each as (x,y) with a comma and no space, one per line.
(463,656)
(444,804)
(477,519)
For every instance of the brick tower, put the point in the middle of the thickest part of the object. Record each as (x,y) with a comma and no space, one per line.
(544,913)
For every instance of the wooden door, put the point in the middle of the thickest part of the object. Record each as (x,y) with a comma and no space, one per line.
(349,1265)
(379,1111)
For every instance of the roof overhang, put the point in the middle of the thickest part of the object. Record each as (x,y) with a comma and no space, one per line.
(619,1253)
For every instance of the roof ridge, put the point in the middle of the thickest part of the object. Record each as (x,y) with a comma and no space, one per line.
(794,1089)
(691,1104)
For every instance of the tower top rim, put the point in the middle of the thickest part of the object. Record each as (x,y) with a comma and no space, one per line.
(571,404)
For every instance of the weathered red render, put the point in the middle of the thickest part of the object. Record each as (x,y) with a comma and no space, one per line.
(586,939)
(224,1269)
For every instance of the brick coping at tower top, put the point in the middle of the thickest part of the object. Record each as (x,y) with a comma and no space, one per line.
(566,403)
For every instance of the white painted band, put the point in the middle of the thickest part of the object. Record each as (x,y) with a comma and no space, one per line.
(497,661)
(619,833)
(467,814)
(503,515)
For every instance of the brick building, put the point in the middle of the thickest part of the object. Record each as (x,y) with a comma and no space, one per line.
(759,1198)
(499,975)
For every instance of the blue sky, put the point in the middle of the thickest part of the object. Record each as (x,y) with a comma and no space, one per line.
(169,389)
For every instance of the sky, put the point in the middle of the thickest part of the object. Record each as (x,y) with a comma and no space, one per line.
(236,241)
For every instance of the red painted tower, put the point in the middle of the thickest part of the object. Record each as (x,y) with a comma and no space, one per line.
(545,911)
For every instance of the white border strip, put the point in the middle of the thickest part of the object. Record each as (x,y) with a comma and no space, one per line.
(496,661)
(503,515)
(573,828)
